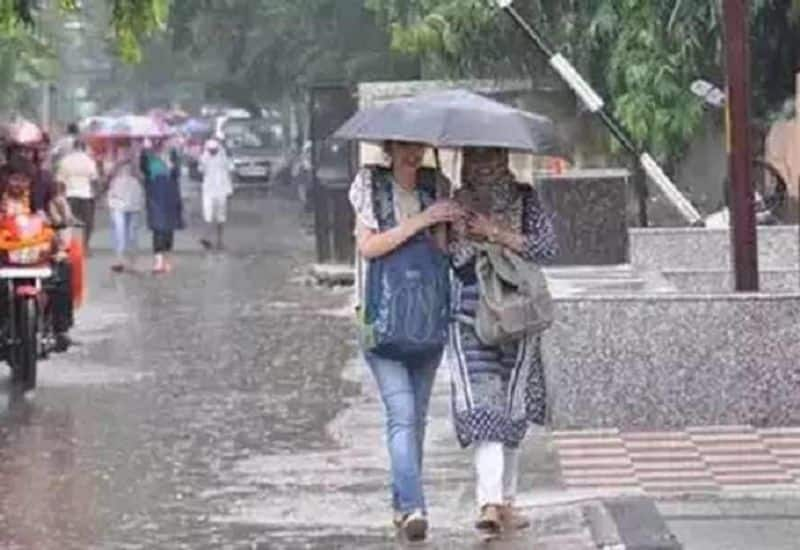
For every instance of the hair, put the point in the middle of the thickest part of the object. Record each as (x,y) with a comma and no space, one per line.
(72,128)
(13,150)
(5,172)
(18,164)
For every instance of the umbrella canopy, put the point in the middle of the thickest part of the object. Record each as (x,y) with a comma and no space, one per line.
(130,126)
(197,127)
(116,113)
(94,124)
(22,132)
(454,119)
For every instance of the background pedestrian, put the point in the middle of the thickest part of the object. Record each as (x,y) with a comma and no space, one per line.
(79,172)
(125,203)
(161,170)
(215,189)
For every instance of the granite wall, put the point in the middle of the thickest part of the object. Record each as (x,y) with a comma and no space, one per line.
(699,248)
(590,222)
(721,281)
(668,361)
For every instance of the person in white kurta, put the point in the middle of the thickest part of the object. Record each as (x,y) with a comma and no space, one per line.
(216,189)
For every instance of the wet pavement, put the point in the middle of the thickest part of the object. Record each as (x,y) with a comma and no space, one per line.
(134,439)
(218,407)
(224,407)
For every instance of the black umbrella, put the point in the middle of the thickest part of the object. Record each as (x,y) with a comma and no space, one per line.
(454,119)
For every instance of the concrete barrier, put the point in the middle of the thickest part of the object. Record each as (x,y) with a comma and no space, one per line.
(700,248)
(722,281)
(669,360)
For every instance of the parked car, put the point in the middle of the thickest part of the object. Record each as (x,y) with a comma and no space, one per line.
(254,150)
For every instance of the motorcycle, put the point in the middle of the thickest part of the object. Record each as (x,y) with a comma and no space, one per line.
(26,335)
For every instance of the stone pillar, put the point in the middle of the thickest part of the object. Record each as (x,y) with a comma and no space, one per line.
(590,215)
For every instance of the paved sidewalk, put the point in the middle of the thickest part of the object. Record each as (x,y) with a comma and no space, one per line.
(708,459)
(610,489)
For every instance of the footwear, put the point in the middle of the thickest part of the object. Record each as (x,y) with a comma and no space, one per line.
(415,526)
(512,519)
(158,263)
(206,244)
(490,519)
(397,519)
(62,342)
(118,268)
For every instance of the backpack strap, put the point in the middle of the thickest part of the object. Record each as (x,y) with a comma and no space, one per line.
(383,193)
(382,197)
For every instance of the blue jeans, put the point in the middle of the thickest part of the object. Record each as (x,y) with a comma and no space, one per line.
(126,227)
(405,388)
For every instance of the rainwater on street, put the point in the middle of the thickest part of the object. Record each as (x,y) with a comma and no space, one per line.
(219,407)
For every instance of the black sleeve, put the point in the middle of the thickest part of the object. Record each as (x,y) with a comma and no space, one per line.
(175,169)
(143,166)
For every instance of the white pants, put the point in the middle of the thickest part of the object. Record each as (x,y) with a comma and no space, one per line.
(497,469)
(215,208)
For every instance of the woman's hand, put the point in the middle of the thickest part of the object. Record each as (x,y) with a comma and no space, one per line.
(372,244)
(481,226)
(443,211)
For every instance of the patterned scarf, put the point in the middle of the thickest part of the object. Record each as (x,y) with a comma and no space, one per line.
(488,188)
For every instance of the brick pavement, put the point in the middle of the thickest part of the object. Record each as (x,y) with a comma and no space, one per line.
(695,460)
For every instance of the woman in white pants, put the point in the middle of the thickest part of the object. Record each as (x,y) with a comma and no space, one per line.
(215,190)
(497,390)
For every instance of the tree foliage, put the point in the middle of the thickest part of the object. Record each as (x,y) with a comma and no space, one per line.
(264,51)
(641,54)
(131,20)
(25,61)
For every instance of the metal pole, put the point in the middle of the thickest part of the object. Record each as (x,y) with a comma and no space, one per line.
(743,218)
(595,104)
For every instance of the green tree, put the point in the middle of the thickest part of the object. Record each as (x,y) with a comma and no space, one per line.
(267,53)
(259,51)
(642,55)
(130,21)
(25,60)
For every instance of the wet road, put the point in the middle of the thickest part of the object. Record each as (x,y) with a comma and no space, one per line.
(216,408)
(132,439)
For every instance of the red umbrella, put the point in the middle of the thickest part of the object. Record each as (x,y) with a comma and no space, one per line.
(23,132)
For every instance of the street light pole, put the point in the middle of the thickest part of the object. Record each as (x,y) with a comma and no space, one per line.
(596,105)
(742,205)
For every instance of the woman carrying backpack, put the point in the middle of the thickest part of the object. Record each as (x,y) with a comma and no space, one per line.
(404,309)
(498,390)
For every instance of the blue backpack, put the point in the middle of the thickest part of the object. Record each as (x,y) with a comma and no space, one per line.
(406,307)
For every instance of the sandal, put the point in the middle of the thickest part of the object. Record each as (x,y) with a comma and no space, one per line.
(490,519)
(512,519)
